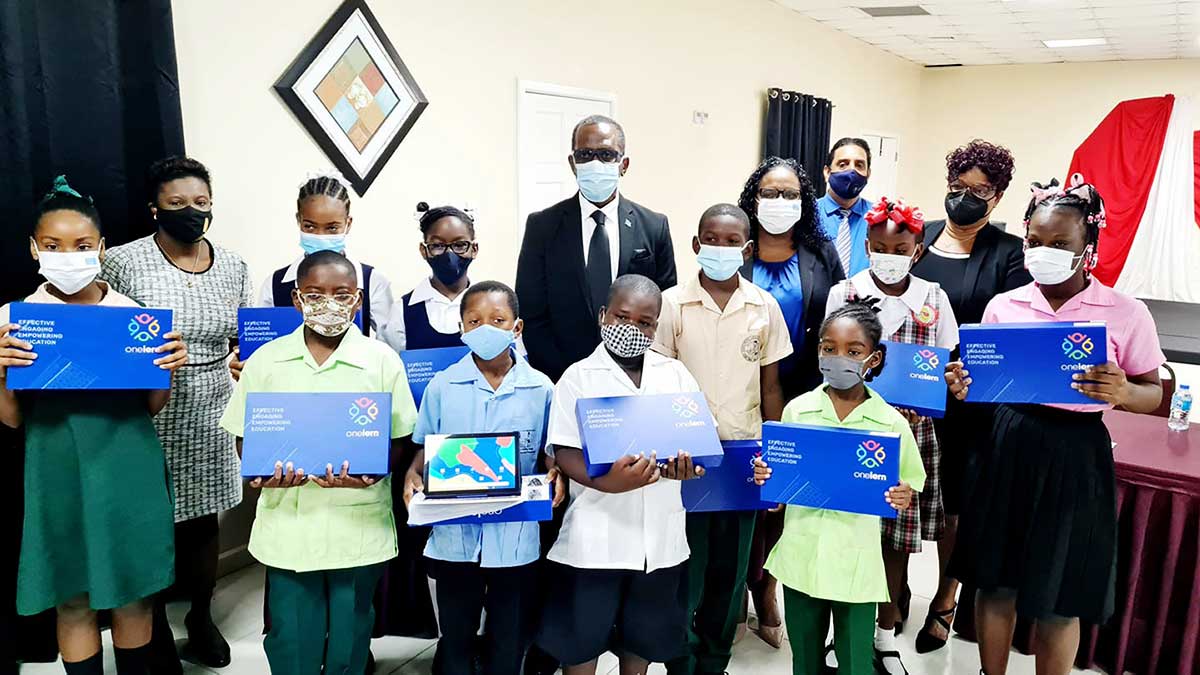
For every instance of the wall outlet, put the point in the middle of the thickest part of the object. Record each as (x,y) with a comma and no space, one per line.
(699,117)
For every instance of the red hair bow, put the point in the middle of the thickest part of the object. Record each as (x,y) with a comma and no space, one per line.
(896,210)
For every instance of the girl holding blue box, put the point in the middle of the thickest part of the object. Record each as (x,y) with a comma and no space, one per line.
(99,528)
(831,562)
(912,311)
(1038,537)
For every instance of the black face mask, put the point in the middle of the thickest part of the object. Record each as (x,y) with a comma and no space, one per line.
(964,208)
(188,224)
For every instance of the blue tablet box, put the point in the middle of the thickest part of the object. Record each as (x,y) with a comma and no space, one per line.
(615,426)
(729,486)
(312,430)
(531,510)
(1030,362)
(420,365)
(90,347)
(831,468)
(913,377)
(259,325)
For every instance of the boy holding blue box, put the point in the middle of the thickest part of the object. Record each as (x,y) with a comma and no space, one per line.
(324,539)
(731,335)
(491,567)
(913,311)
(619,563)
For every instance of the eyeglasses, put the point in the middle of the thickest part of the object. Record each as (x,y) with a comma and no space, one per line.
(606,155)
(459,248)
(344,299)
(772,193)
(984,192)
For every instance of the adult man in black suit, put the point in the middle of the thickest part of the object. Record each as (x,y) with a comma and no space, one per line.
(574,249)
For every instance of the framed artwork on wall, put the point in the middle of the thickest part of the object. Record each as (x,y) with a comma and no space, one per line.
(353,93)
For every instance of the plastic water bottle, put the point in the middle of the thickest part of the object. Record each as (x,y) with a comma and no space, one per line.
(1181,407)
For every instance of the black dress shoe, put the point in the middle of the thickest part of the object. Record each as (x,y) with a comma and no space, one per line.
(205,645)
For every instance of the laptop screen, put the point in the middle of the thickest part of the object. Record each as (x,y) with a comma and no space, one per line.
(472,464)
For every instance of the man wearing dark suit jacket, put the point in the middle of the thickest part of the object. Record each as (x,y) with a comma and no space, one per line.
(574,250)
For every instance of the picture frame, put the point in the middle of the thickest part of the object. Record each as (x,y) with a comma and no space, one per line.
(352,93)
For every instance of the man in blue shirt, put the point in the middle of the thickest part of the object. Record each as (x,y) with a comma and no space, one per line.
(841,210)
(490,567)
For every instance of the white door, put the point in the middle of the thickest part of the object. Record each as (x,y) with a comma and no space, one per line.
(546,116)
(885,158)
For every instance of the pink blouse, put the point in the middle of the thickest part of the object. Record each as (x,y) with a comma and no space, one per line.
(1132,336)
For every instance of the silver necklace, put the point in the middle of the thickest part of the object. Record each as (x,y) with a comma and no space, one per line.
(195,262)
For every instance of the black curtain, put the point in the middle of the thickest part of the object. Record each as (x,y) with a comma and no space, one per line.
(89,89)
(797,126)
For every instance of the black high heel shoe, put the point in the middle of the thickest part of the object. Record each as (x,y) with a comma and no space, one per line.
(926,640)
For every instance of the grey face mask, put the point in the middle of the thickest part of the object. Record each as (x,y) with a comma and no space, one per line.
(841,372)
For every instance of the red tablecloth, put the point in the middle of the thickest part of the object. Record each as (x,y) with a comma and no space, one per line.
(1156,628)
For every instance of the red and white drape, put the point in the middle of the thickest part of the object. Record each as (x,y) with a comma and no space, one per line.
(1144,158)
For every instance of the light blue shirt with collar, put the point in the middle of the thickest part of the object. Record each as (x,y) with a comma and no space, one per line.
(829,213)
(459,400)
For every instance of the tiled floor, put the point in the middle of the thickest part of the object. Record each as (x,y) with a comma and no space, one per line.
(238,608)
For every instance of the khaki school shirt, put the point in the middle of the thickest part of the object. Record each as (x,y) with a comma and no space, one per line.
(725,350)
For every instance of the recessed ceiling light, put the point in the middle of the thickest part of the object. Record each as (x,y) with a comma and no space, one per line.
(1081,42)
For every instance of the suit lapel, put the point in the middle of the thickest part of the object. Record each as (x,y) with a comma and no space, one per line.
(570,237)
(981,252)
(625,235)
(807,260)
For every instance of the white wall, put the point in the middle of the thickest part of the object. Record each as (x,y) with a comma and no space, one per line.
(663,58)
(1040,112)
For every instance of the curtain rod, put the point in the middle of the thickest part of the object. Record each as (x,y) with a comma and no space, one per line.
(775,91)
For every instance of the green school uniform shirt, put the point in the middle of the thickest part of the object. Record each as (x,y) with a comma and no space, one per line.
(830,554)
(310,527)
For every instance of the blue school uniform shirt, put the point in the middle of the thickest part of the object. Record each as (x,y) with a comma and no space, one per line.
(830,214)
(459,400)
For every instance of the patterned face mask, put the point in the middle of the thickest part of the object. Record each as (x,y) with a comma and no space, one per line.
(624,340)
(327,316)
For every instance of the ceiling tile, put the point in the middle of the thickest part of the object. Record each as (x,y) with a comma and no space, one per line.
(1004,31)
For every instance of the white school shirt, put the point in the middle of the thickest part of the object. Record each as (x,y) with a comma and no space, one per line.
(644,529)
(444,314)
(381,292)
(612,227)
(894,310)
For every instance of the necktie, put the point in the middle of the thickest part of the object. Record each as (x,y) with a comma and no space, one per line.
(599,264)
(844,243)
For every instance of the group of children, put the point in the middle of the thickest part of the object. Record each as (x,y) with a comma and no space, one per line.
(630,571)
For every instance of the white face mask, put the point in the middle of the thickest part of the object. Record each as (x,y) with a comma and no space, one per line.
(779,215)
(890,269)
(1052,266)
(69,272)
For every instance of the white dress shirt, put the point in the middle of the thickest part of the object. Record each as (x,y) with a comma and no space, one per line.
(380,291)
(893,310)
(612,227)
(444,314)
(644,529)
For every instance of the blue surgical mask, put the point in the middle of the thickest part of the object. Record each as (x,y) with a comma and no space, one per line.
(598,180)
(720,262)
(847,184)
(311,243)
(488,342)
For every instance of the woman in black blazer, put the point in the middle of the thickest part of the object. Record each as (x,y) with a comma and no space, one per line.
(795,262)
(972,262)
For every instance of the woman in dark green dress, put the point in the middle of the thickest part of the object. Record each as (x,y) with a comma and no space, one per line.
(98,529)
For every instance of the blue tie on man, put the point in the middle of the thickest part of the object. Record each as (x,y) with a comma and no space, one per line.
(842,210)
